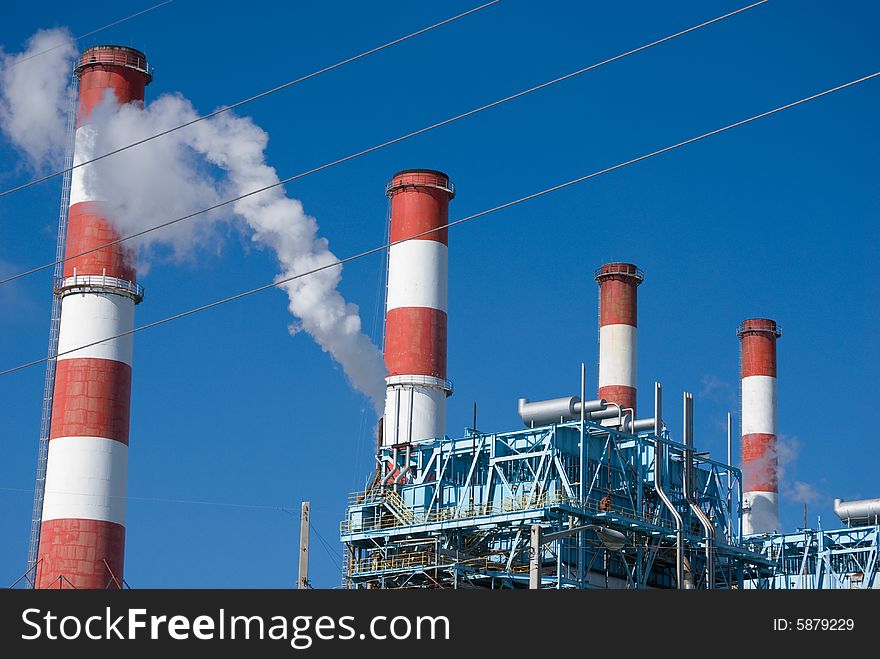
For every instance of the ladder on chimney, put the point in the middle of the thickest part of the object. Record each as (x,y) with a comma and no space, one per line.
(54,326)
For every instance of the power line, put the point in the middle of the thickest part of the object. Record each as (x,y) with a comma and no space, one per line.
(95,31)
(333,555)
(255,97)
(468,218)
(222,504)
(382,145)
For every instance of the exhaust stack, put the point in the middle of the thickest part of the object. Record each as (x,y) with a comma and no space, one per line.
(82,534)
(618,284)
(416,307)
(759,459)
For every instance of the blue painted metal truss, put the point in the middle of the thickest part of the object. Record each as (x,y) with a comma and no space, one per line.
(456,513)
(819,559)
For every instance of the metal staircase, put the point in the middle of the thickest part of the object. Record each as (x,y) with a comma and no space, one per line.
(398,508)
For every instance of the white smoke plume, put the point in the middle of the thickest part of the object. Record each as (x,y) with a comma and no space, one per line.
(33,96)
(200,165)
(783,458)
(788,450)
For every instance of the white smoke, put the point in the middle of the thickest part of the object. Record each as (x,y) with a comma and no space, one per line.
(782,457)
(788,450)
(198,166)
(33,96)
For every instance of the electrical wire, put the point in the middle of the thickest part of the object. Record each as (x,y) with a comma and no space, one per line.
(336,558)
(474,216)
(93,32)
(221,504)
(255,97)
(382,145)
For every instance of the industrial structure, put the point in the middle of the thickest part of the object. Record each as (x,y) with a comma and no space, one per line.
(81,538)
(618,315)
(587,495)
(758,397)
(415,307)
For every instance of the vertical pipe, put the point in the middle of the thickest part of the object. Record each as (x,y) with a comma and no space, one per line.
(618,310)
(416,305)
(759,454)
(689,486)
(729,478)
(474,454)
(82,533)
(659,461)
(582,536)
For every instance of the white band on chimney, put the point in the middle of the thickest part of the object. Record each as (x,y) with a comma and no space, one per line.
(617,355)
(93,317)
(413,412)
(418,274)
(759,405)
(762,512)
(86,478)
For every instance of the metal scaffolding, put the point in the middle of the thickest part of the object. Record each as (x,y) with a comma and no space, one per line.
(457,513)
(819,559)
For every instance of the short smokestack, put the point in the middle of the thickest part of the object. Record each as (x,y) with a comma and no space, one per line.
(416,308)
(759,458)
(82,534)
(618,298)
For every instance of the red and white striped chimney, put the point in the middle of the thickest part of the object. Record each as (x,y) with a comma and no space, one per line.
(759,459)
(82,536)
(618,297)
(416,307)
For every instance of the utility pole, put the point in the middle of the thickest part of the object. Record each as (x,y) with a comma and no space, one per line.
(612,540)
(302,581)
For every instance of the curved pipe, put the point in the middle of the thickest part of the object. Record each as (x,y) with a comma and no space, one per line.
(659,460)
(612,410)
(865,511)
(556,410)
(688,485)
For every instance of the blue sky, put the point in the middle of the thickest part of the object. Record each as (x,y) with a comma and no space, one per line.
(776,219)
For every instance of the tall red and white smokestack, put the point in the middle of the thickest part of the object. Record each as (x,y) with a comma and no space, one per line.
(760,483)
(618,286)
(82,536)
(416,308)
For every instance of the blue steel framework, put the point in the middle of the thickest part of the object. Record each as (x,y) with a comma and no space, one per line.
(456,513)
(819,559)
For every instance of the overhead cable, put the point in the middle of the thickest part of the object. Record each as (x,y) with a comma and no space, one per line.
(474,216)
(380,146)
(92,32)
(250,99)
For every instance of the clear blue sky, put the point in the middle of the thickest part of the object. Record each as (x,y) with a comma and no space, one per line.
(777,219)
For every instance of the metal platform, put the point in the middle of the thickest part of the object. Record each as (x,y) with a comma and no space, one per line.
(457,513)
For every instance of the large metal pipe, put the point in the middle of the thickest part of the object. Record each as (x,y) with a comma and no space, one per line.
(613,411)
(640,425)
(860,512)
(688,486)
(556,410)
(659,460)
